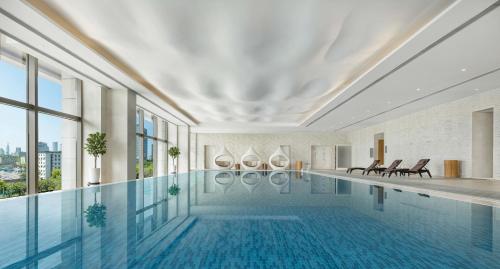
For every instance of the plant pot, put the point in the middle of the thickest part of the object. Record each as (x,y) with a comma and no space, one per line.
(94,175)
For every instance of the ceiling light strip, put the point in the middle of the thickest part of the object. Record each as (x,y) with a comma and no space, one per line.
(420,53)
(421,98)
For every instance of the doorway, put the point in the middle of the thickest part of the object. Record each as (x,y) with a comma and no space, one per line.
(322,157)
(482,143)
(379,147)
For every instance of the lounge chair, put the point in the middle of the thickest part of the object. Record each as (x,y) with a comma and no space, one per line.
(392,169)
(365,169)
(419,168)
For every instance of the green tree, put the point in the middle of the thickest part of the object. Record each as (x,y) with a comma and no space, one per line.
(52,183)
(16,189)
(148,168)
(96,145)
(56,173)
(3,188)
(174,153)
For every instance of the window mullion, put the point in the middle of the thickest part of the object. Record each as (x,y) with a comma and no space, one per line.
(32,122)
(155,146)
(141,144)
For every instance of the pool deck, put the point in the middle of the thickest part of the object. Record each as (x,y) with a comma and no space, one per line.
(480,191)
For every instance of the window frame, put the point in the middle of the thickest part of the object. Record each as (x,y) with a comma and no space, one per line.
(32,111)
(155,137)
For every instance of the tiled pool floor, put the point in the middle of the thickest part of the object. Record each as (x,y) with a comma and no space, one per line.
(317,238)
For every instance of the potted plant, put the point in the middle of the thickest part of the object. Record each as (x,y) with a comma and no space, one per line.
(96,214)
(174,153)
(96,146)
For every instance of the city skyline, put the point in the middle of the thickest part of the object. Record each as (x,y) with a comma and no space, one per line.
(54,146)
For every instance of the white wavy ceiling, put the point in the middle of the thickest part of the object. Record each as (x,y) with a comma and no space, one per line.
(249,61)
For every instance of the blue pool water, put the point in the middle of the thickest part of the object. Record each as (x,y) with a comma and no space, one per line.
(247,220)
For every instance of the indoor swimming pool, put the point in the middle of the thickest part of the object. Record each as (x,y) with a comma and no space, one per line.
(229,219)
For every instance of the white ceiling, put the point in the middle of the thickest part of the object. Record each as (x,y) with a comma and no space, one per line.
(241,64)
(250,66)
(464,64)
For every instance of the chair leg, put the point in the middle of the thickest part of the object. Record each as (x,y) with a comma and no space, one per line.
(420,173)
(429,173)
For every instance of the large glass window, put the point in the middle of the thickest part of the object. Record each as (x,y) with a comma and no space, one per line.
(12,71)
(49,87)
(53,106)
(151,145)
(12,151)
(56,153)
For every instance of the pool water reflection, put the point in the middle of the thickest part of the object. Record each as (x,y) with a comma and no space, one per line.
(227,219)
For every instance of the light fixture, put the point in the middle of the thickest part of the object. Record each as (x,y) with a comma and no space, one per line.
(476,89)
(463,69)
(418,89)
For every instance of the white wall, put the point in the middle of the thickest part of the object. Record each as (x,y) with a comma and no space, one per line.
(264,144)
(439,133)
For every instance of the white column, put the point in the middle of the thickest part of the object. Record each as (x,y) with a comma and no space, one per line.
(183,142)
(71,89)
(118,164)
(172,142)
(162,149)
(93,112)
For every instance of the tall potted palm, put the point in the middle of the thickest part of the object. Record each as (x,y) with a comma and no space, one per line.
(96,146)
(174,153)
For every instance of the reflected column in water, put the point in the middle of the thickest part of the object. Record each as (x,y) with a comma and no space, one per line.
(378,198)
(322,185)
(482,226)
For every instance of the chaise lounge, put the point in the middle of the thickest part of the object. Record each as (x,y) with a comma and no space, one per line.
(419,168)
(392,169)
(365,169)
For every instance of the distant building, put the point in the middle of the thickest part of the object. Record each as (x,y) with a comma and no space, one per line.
(18,151)
(42,147)
(55,146)
(22,159)
(48,161)
(7,149)
(2,152)
(8,159)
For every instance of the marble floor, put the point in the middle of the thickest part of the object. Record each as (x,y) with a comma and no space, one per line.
(481,191)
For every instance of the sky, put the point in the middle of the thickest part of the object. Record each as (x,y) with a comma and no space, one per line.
(13,120)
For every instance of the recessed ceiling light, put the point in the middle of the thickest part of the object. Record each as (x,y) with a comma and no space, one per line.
(418,89)
(476,89)
(463,69)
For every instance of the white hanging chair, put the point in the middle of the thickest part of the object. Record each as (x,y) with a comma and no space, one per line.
(279,160)
(251,160)
(223,159)
(250,180)
(279,180)
(224,180)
